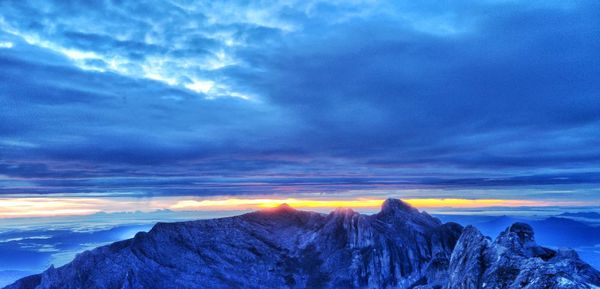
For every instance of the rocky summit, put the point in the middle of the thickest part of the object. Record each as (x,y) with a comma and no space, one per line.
(398,247)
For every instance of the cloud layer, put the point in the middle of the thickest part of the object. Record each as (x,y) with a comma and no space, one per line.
(308,96)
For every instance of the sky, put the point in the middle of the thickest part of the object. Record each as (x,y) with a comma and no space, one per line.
(116,105)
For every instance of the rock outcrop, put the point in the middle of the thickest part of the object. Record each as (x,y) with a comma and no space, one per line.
(514,260)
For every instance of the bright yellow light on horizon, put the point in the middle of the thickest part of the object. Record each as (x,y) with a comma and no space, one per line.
(271,203)
(360,203)
(68,206)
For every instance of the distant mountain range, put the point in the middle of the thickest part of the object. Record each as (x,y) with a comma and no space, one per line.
(399,247)
(587,215)
(552,231)
(569,230)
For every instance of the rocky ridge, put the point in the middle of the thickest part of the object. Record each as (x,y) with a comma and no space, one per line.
(399,247)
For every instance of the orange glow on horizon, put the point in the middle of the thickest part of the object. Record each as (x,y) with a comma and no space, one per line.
(69,206)
(360,203)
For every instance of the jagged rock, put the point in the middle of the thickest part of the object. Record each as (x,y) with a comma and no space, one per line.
(281,247)
(513,261)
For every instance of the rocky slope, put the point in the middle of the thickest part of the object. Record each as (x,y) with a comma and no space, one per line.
(514,260)
(399,247)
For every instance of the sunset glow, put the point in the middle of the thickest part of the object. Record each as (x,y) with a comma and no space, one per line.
(57,206)
(354,203)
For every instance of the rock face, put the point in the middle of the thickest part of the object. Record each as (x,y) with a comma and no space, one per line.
(514,260)
(399,247)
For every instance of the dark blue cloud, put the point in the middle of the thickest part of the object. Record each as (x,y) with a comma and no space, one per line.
(229,97)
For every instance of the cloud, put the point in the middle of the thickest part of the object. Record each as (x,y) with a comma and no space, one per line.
(234,97)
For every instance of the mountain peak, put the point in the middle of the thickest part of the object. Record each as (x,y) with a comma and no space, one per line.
(344,211)
(396,205)
(519,237)
(284,207)
(523,231)
(518,232)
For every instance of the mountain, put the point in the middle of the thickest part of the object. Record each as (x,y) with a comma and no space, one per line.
(587,215)
(399,247)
